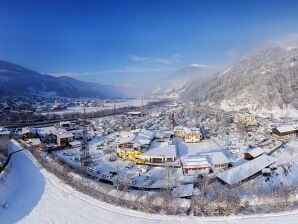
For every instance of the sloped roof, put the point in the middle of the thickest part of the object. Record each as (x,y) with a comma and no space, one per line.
(239,173)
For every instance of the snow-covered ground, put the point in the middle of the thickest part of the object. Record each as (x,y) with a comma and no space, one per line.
(104,106)
(37,196)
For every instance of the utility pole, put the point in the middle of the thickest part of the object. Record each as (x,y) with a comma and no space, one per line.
(85,157)
(114,108)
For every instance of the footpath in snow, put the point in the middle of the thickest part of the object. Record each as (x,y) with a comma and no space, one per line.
(37,196)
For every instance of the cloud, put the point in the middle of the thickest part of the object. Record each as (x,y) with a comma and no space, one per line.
(174,59)
(198,65)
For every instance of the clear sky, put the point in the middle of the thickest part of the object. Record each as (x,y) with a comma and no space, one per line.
(125,41)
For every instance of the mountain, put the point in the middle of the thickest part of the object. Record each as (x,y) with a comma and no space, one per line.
(263,80)
(174,84)
(17,80)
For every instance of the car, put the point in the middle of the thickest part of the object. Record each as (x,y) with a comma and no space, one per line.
(107,176)
(93,170)
(67,154)
(129,165)
(112,158)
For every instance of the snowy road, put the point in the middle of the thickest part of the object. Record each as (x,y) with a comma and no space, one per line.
(40,197)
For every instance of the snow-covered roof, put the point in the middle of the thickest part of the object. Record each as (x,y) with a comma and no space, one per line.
(186,129)
(162,149)
(217,158)
(64,134)
(163,134)
(28,130)
(255,152)
(184,190)
(239,173)
(34,141)
(287,128)
(47,130)
(147,134)
(192,149)
(126,139)
(195,162)
(75,143)
(4,131)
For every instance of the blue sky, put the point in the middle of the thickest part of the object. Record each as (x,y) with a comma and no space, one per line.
(125,42)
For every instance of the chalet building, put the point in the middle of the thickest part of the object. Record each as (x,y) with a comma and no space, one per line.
(4,139)
(290,131)
(245,119)
(125,142)
(195,166)
(63,138)
(189,135)
(159,153)
(28,133)
(131,146)
(179,131)
(192,135)
(253,153)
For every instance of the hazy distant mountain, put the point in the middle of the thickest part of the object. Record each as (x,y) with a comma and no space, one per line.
(173,85)
(17,80)
(264,79)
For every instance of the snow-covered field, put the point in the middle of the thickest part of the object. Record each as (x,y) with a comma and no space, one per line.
(37,196)
(109,105)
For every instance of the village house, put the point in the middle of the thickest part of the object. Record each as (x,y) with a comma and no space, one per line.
(189,135)
(63,138)
(131,145)
(195,165)
(192,135)
(245,119)
(289,131)
(159,152)
(28,133)
(214,155)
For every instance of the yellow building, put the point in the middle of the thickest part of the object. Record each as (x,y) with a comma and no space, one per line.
(189,135)
(179,132)
(245,119)
(193,137)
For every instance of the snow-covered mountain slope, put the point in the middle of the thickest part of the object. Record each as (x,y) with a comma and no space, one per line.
(34,195)
(173,85)
(263,80)
(17,80)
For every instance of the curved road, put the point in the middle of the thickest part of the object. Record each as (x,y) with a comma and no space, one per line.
(59,203)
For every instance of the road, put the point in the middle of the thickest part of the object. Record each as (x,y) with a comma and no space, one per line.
(59,203)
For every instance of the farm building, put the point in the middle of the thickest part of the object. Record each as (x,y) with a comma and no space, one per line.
(216,156)
(286,131)
(246,170)
(138,142)
(63,138)
(125,142)
(159,153)
(218,160)
(253,153)
(198,165)
(28,132)
(131,145)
